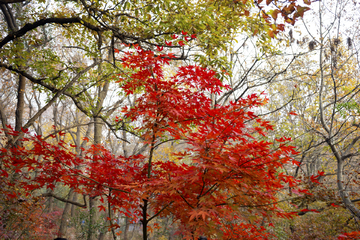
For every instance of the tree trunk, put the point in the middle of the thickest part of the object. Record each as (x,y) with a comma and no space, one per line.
(127,225)
(144,220)
(329,128)
(94,203)
(65,217)
(343,193)
(19,113)
(73,207)
(50,203)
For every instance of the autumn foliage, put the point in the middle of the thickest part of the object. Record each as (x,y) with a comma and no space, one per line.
(350,235)
(224,182)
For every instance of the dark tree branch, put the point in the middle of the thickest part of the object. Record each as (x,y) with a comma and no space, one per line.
(65,200)
(31,78)
(11,1)
(160,211)
(31,26)
(9,18)
(67,128)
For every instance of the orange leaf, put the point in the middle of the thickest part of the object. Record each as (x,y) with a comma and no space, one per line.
(275,13)
(271,34)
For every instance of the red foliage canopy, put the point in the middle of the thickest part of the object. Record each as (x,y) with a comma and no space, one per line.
(228,173)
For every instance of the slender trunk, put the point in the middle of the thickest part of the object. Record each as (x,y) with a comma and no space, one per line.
(79,145)
(127,225)
(65,217)
(19,113)
(94,203)
(146,201)
(144,220)
(102,236)
(343,193)
(101,95)
(73,207)
(97,130)
(50,203)
(93,218)
(340,181)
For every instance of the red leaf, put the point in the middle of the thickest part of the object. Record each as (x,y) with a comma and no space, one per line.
(102,208)
(171,55)
(309,210)
(24,130)
(350,235)
(314,179)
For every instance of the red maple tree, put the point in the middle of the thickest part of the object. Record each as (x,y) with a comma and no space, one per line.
(228,173)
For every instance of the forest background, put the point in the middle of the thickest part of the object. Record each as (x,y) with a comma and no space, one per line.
(179,119)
